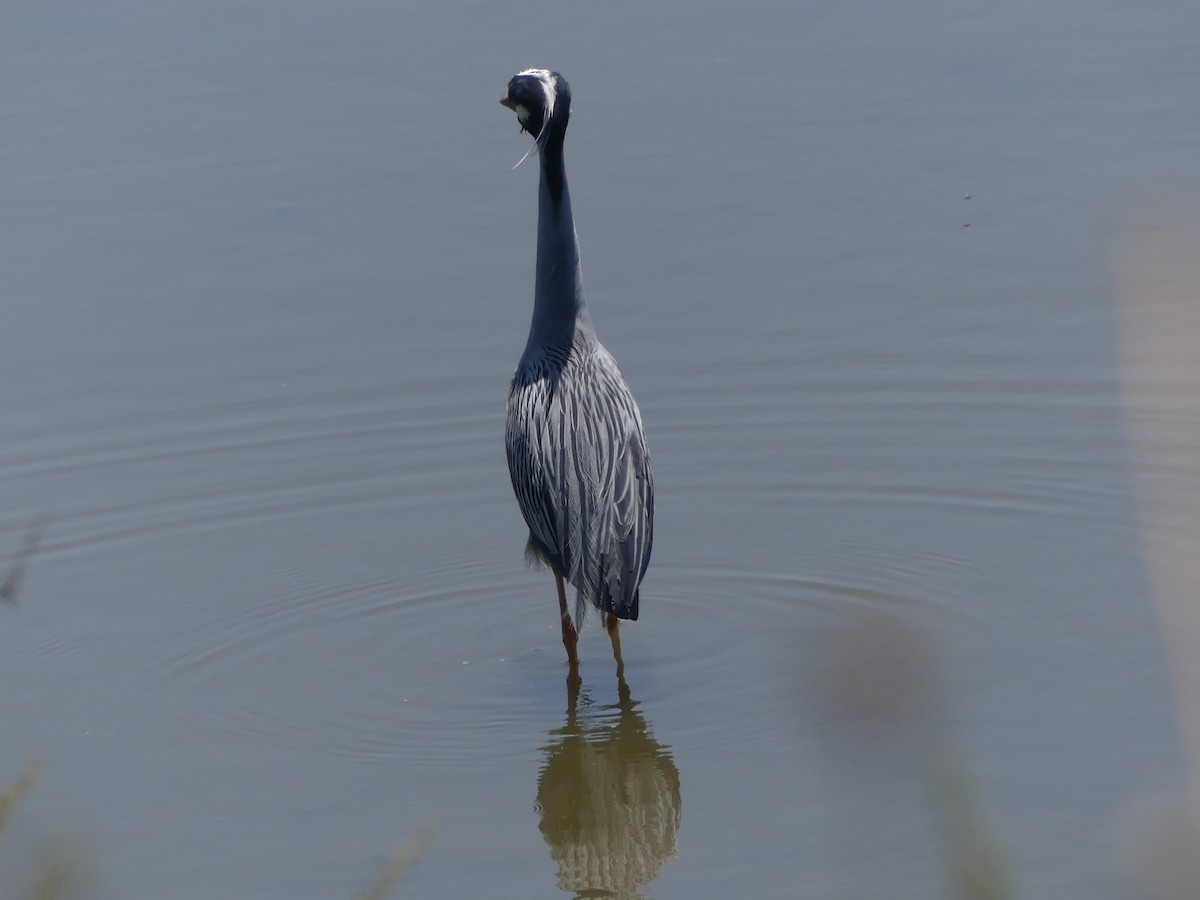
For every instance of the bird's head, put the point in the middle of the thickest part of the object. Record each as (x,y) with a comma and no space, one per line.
(541,99)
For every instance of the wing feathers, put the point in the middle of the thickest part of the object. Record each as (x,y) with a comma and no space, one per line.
(578,460)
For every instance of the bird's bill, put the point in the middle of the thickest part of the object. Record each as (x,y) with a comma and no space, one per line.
(509,102)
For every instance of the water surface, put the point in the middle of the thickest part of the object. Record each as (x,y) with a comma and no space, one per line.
(266,275)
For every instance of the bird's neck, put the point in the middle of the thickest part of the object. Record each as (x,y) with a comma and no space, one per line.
(560,316)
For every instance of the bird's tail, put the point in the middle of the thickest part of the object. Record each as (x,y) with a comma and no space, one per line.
(624,608)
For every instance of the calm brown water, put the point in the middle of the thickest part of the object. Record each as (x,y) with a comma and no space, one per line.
(266,275)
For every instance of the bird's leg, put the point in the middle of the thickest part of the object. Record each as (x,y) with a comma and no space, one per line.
(570,638)
(574,682)
(612,623)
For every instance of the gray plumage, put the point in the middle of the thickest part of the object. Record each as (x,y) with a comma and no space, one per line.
(576,449)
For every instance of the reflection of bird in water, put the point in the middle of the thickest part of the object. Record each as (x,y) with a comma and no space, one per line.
(609,799)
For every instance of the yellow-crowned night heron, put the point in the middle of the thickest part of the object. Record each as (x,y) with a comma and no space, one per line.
(576,450)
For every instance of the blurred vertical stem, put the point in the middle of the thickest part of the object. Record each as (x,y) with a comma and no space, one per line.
(1158,293)
(977,862)
(55,877)
(12,795)
(404,857)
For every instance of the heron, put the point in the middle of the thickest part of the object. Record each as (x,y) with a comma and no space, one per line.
(574,438)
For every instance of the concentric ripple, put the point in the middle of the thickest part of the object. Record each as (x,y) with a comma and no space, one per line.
(716,659)
(459,664)
(385,672)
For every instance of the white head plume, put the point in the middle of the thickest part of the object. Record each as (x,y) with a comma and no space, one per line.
(545,79)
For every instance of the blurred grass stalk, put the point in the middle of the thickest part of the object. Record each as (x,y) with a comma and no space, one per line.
(13,794)
(399,863)
(55,872)
(878,675)
(1157,261)
(11,585)
(978,865)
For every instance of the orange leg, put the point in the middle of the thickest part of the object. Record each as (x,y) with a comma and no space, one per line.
(570,638)
(612,623)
